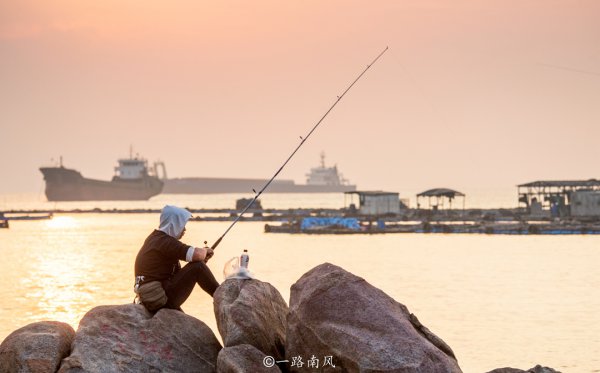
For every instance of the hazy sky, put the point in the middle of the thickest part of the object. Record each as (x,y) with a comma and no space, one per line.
(470,93)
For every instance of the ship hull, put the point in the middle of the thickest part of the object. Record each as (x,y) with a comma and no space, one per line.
(63,184)
(209,185)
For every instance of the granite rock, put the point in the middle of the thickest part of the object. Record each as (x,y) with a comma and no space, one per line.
(128,338)
(37,347)
(245,358)
(337,315)
(251,312)
(535,369)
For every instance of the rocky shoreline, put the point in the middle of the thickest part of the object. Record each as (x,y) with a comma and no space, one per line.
(335,322)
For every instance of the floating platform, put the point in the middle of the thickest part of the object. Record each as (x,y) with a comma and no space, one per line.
(343,221)
(448,228)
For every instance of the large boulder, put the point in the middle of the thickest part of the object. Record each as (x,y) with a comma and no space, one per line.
(535,369)
(37,347)
(128,338)
(251,312)
(245,358)
(337,316)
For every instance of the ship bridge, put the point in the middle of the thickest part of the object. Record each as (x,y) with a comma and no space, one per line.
(130,169)
(325,175)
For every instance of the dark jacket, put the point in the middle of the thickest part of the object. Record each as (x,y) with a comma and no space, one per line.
(158,259)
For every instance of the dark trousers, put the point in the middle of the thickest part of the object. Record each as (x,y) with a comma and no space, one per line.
(180,286)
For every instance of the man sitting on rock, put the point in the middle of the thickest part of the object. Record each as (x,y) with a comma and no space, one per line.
(159,279)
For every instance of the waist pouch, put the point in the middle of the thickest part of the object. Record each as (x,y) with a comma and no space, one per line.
(152,295)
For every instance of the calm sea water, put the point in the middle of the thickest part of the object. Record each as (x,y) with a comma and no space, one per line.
(496,300)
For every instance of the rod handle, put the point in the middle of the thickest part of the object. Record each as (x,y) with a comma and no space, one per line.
(217,242)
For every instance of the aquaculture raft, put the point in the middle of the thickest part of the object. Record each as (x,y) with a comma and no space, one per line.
(381,227)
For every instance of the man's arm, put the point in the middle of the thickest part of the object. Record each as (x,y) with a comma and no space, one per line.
(197,254)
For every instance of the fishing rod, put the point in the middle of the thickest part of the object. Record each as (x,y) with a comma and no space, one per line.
(303,140)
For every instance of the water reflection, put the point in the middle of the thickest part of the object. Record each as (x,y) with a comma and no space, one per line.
(62,222)
(55,284)
(490,298)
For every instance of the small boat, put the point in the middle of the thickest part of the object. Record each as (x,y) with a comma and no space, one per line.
(43,216)
(3,223)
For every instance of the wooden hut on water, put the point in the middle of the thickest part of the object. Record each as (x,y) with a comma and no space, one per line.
(439,197)
(375,203)
(561,198)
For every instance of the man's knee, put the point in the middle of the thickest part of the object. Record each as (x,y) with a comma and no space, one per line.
(198,266)
(199,269)
(204,277)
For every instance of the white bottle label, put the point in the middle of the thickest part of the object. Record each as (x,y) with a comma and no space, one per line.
(244,260)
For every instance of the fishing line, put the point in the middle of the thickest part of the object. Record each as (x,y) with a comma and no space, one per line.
(303,140)
(567,68)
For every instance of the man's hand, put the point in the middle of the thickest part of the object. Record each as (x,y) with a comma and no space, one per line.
(202,254)
(209,253)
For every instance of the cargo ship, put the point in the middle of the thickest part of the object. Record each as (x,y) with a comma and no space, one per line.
(321,179)
(133,180)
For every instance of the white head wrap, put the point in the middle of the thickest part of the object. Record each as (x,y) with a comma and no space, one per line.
(173,220)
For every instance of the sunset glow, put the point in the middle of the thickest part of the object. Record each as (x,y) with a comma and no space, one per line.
(61,223)
(458,175)
(482,85)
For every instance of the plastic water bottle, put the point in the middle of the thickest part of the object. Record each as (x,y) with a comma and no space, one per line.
(244,259)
